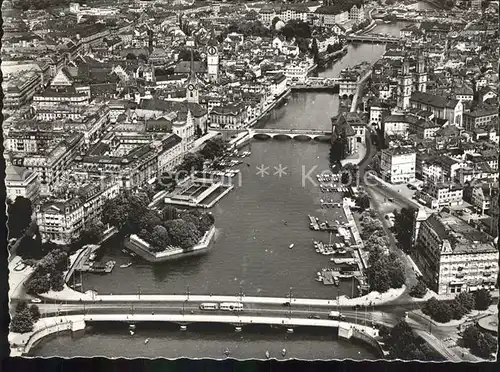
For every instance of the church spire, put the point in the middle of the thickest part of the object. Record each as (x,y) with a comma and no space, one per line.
(192,73)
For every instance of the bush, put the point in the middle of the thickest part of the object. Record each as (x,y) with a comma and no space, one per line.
(482,299)
(22,322)
(35,313)
(418,290)
(438,310)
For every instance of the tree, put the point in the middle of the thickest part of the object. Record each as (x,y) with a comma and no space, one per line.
(22,322)
(403,227)
(160,238)
(56,281)
(336,151)
(148,221)
(457,309)
(481,343)
(418,290)
(363,201)
(38,283)
(466,300)
(438,310)
(21,305)
(315,49)
(91,233)
(482,299)
(19,216)
(35,313)
(213,148)
(192,162)
(403,344)
(378,277)
(183,234)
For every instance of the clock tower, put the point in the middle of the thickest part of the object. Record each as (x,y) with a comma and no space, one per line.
(192,91)
(213,59)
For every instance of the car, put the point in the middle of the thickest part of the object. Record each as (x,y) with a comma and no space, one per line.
(314,316)
(390,199)
(36,300)
(285,304)
(356,307)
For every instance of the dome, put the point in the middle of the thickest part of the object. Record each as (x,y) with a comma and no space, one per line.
(279,25)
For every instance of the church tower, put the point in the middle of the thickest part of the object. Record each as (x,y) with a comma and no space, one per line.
(421,74)
(406,82)
(192,92)
(213,59)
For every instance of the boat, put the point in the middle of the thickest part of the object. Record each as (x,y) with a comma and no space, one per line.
(319,279)
(283,352)
(267,354)
(146,341)
(124,266)
(336,281)
(227,352)
(291,246)
(132,333)
(387,22)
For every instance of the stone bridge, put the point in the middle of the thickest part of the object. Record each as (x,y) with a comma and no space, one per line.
(373,39)
(298,134)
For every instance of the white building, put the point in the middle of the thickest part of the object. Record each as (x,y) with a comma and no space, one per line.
(439,195)
(297,72)
(453,256)
(63,220)
(397,165)
(20,181)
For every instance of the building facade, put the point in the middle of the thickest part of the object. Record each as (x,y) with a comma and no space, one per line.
(397,165)
(453,256)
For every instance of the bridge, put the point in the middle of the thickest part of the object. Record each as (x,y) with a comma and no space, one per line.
(299,134)
(317,83)
(383,39)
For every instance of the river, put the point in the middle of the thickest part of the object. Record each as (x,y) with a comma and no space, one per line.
(250,253)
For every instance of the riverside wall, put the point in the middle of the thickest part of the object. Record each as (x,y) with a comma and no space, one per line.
(151,257)
(366,338)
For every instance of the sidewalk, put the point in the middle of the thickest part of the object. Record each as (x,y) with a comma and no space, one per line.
(373,298)
(18,278)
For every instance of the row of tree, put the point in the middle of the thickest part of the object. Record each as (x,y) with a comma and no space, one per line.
(463,304)
(404,344)
(24,318)
(404,221)
(372,231)
(48,274)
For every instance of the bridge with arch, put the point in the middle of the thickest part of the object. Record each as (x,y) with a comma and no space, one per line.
(373,38)
(317,83)
(298,134)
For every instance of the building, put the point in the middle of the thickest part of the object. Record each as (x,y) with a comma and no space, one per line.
(20,89)
(51,164)
(397,165)
(349,128)
(439,195)
(479,117)
(441,107)
(480,196)
(213,59)
(278,85)
(439,168)
(20,181)
(228,116)
(62,220)
(455,257)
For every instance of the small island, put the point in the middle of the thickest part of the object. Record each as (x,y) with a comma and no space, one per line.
(159,236)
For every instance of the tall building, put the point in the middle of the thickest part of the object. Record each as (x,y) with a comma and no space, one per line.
(455,257)
(421,74)
(192,92)
(406,83)
(213,59)
(397,165)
